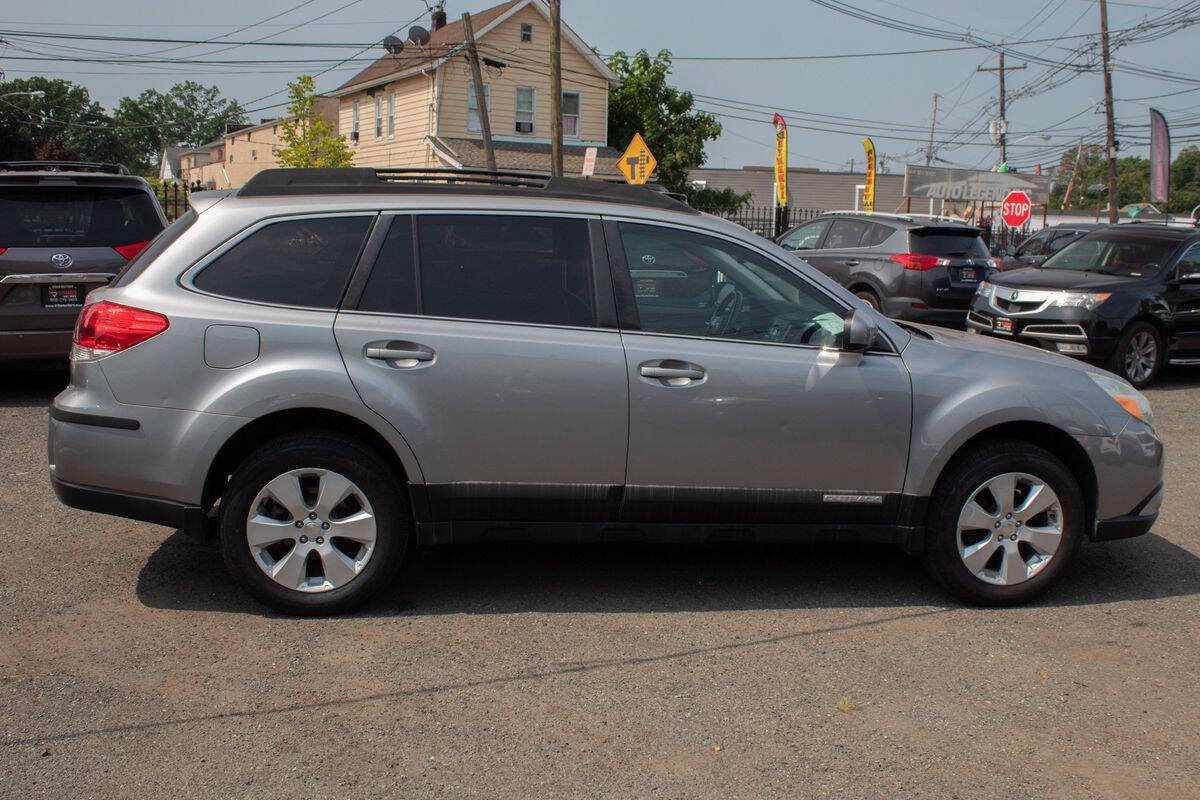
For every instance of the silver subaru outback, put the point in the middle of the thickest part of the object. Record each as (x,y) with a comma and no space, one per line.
(332,367)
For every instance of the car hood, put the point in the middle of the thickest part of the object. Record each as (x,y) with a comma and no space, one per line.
(979,345)
(1036,278)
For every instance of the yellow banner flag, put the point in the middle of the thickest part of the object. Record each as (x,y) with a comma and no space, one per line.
(780,161)
(868,198)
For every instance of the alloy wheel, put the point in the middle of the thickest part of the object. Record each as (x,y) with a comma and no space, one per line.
(1009,528)
(1141,356)
(311,530)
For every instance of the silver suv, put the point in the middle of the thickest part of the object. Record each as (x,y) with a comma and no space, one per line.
(331,367)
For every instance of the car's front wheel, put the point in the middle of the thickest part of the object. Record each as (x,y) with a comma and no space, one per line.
(1003,522)
(1139,354)
(314,524)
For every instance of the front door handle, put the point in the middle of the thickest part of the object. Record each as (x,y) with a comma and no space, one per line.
(672,372)
(404,355)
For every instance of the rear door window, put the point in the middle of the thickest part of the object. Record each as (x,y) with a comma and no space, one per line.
(530,269)
(943,242)
(845,233)
(76,216)
(294,262)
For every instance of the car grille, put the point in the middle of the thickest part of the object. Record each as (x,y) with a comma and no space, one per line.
(1018,306)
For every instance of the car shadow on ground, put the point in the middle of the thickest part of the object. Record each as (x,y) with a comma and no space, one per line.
(499,579)
(27,387)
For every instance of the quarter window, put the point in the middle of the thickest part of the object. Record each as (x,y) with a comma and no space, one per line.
(806,237)
(510,268)
(473,123)
(570,114)
(876,235)
(523,109)
(297,262)
(689,284)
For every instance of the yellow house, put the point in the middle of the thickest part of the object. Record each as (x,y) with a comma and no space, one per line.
(417,107)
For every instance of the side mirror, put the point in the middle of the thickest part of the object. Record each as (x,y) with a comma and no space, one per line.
(1189,277)
(859,332)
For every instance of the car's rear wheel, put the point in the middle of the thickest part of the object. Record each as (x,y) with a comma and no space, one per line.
(1003,523)
(869,297)
(1139,354)
(314,524)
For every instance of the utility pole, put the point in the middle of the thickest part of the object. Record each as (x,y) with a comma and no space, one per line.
(1110,133)
(932,125)
(556,159)
(485,124)
(1003,126)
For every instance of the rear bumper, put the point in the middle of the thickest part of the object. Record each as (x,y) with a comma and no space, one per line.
(188,518)
(33,345)
(905,308)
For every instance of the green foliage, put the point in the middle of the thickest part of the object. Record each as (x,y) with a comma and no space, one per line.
(188,114)
(645,103)
(64,124)
(716,201)
(310,139)
(1133,180)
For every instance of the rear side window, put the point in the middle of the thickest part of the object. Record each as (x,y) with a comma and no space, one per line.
(508,268)
(943,242)
(876,235)
(845,233)
(392,287)
(295,262)
(76,216)
(156,247)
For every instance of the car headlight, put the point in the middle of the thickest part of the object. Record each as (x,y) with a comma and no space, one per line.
(1088,300)
(985,290)
(1125,396)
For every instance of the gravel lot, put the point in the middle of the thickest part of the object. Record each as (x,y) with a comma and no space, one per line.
(131,666)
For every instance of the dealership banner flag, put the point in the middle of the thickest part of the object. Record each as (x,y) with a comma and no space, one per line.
(868,197)
(1160,157)
(780,161)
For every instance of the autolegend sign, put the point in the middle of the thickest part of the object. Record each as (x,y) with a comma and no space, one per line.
(1015,209)
(973,186)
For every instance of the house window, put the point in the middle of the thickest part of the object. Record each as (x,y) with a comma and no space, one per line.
(473,124)
(354,122)
(378,116)
(391,114)
(570,114)
(254,155)
(523,109)
(526,31)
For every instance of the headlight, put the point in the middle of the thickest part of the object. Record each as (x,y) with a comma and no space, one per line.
(1080,300)
(985,290)
(1125,396)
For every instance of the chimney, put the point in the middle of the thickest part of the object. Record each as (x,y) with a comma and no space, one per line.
(439,18)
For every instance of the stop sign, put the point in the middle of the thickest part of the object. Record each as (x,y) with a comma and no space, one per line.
(1016,208)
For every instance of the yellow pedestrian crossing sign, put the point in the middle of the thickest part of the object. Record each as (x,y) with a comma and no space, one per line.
(637,163)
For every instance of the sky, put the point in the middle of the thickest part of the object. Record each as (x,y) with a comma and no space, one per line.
(887,97)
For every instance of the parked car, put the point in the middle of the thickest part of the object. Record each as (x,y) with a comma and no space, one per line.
(331,368)
(908,266)
(1043,244)
(1125,297)
(65,229)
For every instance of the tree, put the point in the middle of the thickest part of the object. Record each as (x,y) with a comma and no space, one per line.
(187,114)
(1133,180)
(310,139)
(645,103)
(65,121)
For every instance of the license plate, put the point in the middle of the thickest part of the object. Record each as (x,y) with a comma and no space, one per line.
(63,295)
(1002,325)
(968,274)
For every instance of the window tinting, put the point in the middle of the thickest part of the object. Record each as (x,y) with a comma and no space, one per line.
(392,287)
(296,262)
(845,233)
(76,216)
(876,235)
(1114,253)
(509,268)
(806,237)
(690,284)
(942,242)
(1036,245)
(157,246)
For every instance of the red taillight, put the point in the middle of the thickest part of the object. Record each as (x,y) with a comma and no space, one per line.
(2,249)
(104,327)
(915,261)
(128,251)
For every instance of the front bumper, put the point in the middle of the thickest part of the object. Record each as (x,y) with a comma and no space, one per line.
(1136,523)
(1069,331)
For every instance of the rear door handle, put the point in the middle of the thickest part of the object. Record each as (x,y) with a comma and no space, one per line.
(672,372)
(404,355)
(850,262)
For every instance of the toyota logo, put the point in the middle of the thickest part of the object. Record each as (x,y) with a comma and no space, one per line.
(61,260)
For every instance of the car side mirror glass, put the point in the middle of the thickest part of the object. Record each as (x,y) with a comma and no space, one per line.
(1189,277)
(859,332)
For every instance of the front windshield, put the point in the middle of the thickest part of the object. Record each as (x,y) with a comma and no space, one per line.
(1114,253)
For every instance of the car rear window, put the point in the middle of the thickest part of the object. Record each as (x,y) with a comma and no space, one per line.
(294,262)
(76,216)
(943,242)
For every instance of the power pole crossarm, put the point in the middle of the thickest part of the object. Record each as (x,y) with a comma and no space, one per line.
(556,156)
(485,124)
(1110,133)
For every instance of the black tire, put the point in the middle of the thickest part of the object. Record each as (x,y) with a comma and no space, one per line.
(967,472)
(869,297)
(1120,362)
(382,487)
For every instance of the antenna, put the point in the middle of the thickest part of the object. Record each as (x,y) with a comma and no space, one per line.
(393,44)
(418,35)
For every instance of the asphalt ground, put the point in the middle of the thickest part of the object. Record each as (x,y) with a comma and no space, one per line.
(131,666)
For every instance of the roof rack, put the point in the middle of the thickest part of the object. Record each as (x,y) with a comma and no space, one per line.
(406,180)
(63,166)
(906,217)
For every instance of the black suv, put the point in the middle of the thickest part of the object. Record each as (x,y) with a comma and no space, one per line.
(1043,244)
(1124,296)
(65,228)
(909,266)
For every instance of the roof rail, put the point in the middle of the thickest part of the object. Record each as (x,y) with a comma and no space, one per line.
(63,166)
(406,180)
(911,217)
